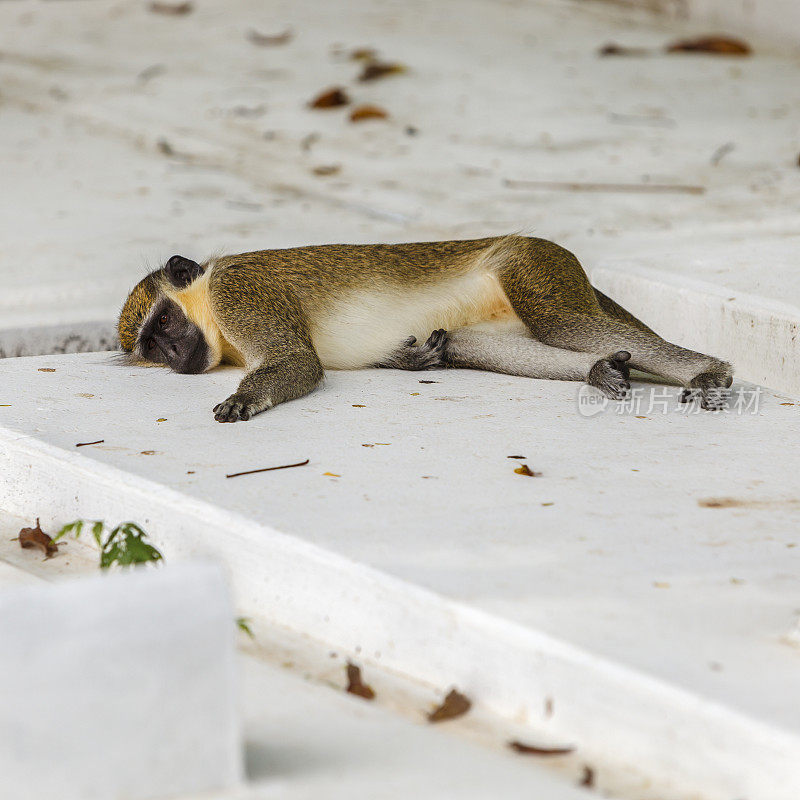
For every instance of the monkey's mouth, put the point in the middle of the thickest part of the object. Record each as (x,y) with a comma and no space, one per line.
(197,361)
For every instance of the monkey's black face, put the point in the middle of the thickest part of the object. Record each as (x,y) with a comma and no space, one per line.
(169,338)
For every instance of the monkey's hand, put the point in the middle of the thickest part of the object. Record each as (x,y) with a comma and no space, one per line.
(275,381)
(410,355)
(610,375)
(239,406)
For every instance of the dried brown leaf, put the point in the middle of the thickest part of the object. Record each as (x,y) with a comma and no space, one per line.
(454,705)
(367,112)
(36,537)
(717,45)
(355,685)
(524,469)
(46,369)
(380,69)
(614,49)
(327,169)
(534,750)
(269,40)
(171,9)
(363,54)
(330,98)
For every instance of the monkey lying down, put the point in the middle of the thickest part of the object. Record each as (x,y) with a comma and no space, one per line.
(516,305)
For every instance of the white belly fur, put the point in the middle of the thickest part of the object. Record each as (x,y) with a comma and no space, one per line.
(365,327)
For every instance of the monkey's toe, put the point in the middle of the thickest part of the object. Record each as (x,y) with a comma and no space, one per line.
(712,388)
(610,375)
(234,409)
(410,355)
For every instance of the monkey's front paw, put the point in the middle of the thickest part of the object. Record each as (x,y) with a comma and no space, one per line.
(237,407)
(711,387)
(410,355)
(610,375)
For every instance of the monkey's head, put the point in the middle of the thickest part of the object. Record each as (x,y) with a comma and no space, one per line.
(153,328)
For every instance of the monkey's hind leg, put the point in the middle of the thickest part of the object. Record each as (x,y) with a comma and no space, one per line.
(498,347)
(551,294)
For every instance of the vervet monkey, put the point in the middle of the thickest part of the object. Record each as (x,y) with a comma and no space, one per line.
(513,304)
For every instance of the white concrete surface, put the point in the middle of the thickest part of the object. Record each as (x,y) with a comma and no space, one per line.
(303,737)
(306,741)
(644,583)
(495,91)
(120,686)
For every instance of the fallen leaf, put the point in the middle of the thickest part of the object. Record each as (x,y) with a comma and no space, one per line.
(534,750)
(368,445)
(161,419)
(415,394)
(84,394)
(46,369)
(86,444)
(171,9)
(454,705)
(367,112)
(718,45)
(524,469)
(363,54)
(379,69)
(588,777)
(332,98)
(269,40)
(613,49)
(787,404)
(358,406)
(548,504)
(327,169)
(36,537)
(357,686)
(190,472)
(332,474)
(147,453)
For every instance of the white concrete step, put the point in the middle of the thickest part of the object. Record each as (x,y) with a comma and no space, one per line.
(629,600)
(299,739)
(120,686)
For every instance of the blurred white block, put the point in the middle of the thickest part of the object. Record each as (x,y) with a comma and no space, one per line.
(121,686)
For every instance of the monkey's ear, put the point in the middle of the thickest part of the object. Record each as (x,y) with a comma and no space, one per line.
(182,271)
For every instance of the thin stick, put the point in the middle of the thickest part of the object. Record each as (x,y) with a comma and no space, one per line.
(86,444)
(566,186)
(267,469)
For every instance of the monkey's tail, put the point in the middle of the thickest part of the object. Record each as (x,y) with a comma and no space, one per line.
(618,312)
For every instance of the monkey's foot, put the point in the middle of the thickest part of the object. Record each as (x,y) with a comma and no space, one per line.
(238,407)
(610,375)
(712,388)
(410,355)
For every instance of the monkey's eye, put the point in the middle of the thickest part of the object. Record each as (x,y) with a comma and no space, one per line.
(151,343)
(162,320)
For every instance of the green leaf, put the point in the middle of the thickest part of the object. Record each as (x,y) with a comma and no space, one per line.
(125,546)
(243,624)
(97,530)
